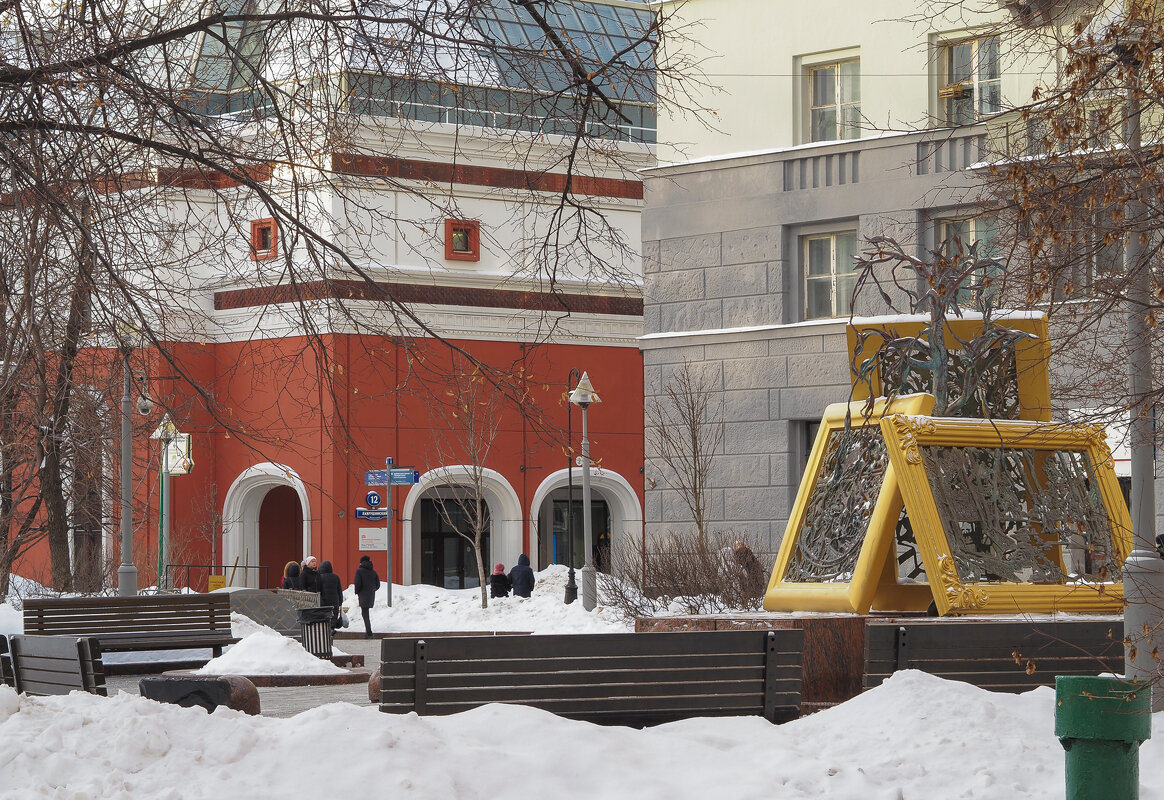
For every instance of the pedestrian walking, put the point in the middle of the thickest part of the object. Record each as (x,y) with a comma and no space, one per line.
(499,584)
(367,583)
(521,577)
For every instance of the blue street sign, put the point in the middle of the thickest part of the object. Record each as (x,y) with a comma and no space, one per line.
(404,477)
(374,514)
(373,499)
(376,477)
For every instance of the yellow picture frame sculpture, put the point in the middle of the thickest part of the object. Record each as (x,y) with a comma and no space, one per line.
(1060,513)
(861,555)
(1031,354)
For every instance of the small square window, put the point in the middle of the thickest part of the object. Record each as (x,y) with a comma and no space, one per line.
(264,239)
(462,240)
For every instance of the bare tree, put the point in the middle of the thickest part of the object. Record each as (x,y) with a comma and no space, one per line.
(465,421)
(685,430)
(700,570)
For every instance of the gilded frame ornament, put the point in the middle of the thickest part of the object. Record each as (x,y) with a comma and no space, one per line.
(874,574)
(907,436)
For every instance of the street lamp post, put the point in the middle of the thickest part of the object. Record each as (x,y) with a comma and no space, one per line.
(1143,570)
(166,433)
(582,396)
(127,572)
(571,586)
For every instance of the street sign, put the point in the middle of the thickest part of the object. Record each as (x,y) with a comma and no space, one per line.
(404,477)
(373,499)
(376,477)
(372,513)
(374,539)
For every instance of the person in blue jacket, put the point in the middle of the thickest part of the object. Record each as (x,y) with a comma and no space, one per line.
(522,577)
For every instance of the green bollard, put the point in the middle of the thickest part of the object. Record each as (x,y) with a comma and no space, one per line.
(1101,723)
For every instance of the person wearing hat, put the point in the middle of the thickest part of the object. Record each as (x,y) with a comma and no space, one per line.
(499,584)
(367,583)
(309,575)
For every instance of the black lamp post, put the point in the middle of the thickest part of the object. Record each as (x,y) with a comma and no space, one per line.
(571,586)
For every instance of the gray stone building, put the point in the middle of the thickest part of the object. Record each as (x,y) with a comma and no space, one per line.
(747,271)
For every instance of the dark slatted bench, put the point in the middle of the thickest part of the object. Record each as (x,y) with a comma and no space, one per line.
(616,679)
(1002,656)
(47,665)
(143,622)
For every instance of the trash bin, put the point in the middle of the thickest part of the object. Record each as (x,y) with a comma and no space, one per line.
(316,626)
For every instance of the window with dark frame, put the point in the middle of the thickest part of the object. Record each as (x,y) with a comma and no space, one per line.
(462,240)
(264,239)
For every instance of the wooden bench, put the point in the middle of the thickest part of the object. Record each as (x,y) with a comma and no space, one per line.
(142,622)
(616,679)
(1002,656)
(47,665)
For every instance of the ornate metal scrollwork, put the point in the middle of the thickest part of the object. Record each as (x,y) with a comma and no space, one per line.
(840,507)
(1021,515)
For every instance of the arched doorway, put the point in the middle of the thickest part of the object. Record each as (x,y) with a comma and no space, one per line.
(280,532)
(505,517)
(245,538)
(615,512)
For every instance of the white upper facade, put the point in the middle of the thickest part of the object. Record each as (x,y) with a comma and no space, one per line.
(782,74)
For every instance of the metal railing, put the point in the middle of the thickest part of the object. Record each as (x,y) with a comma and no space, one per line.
(197,576)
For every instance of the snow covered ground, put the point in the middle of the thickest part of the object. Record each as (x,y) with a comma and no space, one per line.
(914,737)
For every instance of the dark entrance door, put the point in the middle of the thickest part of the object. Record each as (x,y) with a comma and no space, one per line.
(446,557)
(280,534)
(599,530)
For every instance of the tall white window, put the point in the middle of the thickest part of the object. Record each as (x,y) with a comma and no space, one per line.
(835,101)
(981,233)
(830,274)
(971,84)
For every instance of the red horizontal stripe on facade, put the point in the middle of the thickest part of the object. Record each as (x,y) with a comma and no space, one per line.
(497,177)
(434,295)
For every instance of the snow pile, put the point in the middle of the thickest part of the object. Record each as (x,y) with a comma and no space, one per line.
(11,620)
(424,608)
(915,736)
(266,652)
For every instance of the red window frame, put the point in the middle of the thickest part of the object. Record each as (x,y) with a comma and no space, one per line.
(473,231)
(258,227)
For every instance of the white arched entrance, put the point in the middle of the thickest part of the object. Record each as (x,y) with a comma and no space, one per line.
(240,515)
(504,508)
(626,513)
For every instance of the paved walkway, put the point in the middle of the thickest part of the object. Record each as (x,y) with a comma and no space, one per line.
(287,701)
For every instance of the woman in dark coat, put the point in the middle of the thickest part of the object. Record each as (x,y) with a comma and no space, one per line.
(331,592)
(309,576)
(291,575)
(522,577)
(367,583)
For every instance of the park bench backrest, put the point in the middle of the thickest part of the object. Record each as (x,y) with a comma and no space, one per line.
(47,665)
(138,614)
(1001,656)
(629,679)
